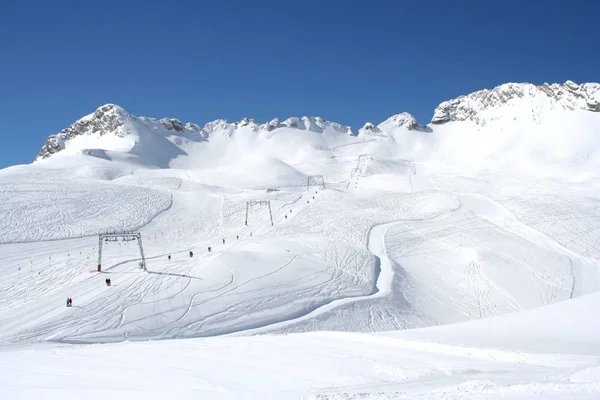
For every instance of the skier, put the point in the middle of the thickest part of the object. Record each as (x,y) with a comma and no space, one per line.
(69,302)
(237,238)
(286,217)
(223,241)
(107,280)
(169,257)
(191,254)
(209,249)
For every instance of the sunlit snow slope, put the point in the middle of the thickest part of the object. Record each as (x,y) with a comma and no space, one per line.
(544,353)
(393,227)
(474,238)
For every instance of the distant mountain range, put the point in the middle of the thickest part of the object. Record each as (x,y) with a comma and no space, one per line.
(113,128)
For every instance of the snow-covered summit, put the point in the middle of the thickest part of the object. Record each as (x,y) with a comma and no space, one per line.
(483,106)
(369,129)
(107,118)
(403,120)
(111,127)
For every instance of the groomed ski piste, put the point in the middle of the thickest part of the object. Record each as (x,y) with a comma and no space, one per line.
(390,264)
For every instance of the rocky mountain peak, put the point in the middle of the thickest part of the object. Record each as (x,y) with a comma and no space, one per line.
(402,120)
(172,124)
(475,107)
(108,118)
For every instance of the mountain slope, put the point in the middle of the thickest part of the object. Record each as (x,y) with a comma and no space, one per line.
(479,107)
(310,225)
(513,126)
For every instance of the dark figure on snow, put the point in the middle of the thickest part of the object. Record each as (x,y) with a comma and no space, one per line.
(107,280)
(169,257)
(209,249)
(237,238)
(191,254)
(223,241)
(69,302)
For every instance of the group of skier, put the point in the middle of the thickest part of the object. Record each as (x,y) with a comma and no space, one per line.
(109,283)
(209,247)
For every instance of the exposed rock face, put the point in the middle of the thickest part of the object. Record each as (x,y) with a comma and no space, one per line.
(172,124)
(473,107)
(108,118)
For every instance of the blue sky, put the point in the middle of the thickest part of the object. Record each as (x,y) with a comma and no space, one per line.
(346,61)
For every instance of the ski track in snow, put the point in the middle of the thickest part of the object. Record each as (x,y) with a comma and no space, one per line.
(426,255)
(452,261)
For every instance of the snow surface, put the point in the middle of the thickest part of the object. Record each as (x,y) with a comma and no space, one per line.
(554,355)
(450,261)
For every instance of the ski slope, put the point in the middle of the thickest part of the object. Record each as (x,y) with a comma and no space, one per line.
(549,353)
(400,238)
(381,248)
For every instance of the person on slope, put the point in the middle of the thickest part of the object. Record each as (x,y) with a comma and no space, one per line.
(191,254)
(107,280)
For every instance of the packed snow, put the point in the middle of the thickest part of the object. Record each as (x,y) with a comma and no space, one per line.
(401,262)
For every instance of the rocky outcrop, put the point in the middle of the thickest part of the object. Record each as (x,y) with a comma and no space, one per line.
(172,124)
(369,129)
(473,107)
(106,119)
(402,120)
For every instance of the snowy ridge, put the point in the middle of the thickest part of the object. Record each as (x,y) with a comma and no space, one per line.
(479,107)
(113,128)
(508,107)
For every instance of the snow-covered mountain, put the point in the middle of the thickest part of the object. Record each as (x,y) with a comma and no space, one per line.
(514,123)
(504,101)
(303,225)
(112,128)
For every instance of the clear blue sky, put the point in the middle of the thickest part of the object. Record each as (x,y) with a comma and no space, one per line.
(347,61)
